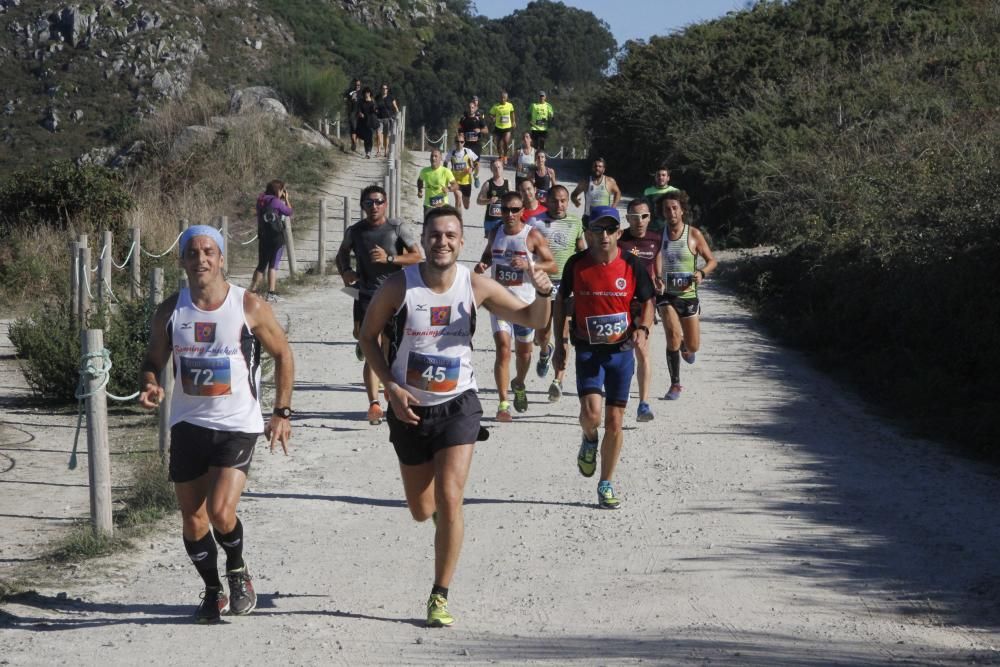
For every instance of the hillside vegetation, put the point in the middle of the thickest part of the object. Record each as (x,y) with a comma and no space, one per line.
(861,138)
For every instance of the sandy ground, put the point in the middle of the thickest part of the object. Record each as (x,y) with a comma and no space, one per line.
(767,519)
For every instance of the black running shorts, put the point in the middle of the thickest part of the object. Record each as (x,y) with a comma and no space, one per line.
(195,449)
(685,307)
(454,422)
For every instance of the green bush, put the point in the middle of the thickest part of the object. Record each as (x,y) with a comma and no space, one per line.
(311,90)
(48,344)
(64,195)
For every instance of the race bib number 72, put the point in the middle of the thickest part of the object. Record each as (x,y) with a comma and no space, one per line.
(206,376)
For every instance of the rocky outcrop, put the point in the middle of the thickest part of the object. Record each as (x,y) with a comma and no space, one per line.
(256,99)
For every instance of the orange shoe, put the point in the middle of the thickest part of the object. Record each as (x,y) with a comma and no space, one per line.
(375,413)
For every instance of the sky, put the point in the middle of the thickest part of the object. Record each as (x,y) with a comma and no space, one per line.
(631,19)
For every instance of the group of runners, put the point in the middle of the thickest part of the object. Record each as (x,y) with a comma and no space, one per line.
(555,279)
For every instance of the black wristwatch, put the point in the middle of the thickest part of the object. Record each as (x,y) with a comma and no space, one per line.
(552,290)
(284,413)
(390,258)
(643,328)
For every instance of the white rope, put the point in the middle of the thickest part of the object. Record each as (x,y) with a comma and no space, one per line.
(250,241)
(88,371)
(435,141)
(125,261)
(149,254)
(86,283)
(110,291)
(559,154)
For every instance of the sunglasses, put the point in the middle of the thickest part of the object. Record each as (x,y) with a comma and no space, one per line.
(637,216)
(511,209)
(601,229)
(368,203)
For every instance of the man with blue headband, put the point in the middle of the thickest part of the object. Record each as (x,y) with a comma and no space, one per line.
(215,330)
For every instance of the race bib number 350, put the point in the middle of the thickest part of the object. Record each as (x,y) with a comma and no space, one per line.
(509,277)
(607,329)
(432,372)
(206,377)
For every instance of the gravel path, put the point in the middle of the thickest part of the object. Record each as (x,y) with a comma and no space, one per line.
(767,519)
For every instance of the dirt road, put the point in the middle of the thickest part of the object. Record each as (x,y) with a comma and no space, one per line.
(767,519)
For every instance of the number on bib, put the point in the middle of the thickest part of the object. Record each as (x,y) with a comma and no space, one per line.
(209,376)
(607,329)
(494,210)
(437,200)
(472,136)
(508,276)
(433,373)
(678,281)
(504,120)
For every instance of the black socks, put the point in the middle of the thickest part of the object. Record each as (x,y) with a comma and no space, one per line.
(439,590)
(232,544)
(204,555)
(674,364)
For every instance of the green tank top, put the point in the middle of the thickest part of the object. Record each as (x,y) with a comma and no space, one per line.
(598,195)
(562,236)
(679,264)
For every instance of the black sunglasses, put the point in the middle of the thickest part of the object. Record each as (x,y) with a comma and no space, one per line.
(372,202)
(602,229)
(511,209)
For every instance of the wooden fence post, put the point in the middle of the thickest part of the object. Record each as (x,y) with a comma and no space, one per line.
(84,268)
(98,455)
(182,281)
(337,125)
(423,138)
(135,264)
(347,213)
(321,259)
(74,280)
(293,267)
(166,375)
(104,265)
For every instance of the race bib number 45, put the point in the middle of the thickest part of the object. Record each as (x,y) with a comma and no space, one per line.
(607,329)
(432,372)
(206,376)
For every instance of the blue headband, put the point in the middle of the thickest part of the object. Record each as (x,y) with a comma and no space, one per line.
(202,230)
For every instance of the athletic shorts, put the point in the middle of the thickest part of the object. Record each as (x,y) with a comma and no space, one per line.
(382,125)
(195,449)
(500,134)
(466,189)
(515,331)
(454,422)
(607,372)
(685,307)
(490,225)
(474,147)
(539,134)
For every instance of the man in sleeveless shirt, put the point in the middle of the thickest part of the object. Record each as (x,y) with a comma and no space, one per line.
(603,282)
(473,126)
(564,232)
(434,413)
(381,246)
(644,244)
(678,280)
(490,196)
(513,250)
(215,331)
(661,186)
(598,190)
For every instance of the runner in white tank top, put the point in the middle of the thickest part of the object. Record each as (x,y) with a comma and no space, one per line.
(215,331)
(515,248)
(433,310)
(598,189)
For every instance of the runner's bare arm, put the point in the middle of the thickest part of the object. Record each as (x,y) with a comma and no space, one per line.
(157,355)
(265,327)
(558,328)
(501,302)
(616,193)
(487,257)
(410,255)
(383,306)
(701,248)
(483,198)
(343,261)
(574,196)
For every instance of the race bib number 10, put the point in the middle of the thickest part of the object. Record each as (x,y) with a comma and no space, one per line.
(432,372)
(206,376)
(607,329)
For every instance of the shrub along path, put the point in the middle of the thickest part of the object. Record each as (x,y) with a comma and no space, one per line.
(766,519)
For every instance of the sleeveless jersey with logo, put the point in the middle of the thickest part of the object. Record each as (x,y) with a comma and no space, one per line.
(216,366)
(644,248)
(525,163)
(679,264)
(597,195)
(431,353)
(505,249)
(493,208)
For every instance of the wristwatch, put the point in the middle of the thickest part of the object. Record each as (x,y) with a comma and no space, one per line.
(643,328)
(284,413)
(390,258)
(552,290)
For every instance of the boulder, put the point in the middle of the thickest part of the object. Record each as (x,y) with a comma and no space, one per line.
(191,137)
(76,26)
(256,99)
(309,137)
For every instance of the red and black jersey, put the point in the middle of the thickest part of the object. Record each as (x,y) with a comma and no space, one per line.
(645,248)
(601,296)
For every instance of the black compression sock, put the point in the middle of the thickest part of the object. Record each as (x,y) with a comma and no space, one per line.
(439,590)
(674,364)
(205,556)
(232,544)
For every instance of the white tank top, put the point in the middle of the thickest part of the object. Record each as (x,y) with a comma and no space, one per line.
(597,194)
(525,162)
(216,366)
(433,355)
(505,249)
